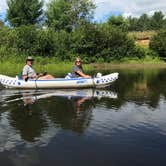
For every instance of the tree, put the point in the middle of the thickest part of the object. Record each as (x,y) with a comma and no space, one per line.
(157,20)
(158,43)
(119,22)
(68,14)
(133,24)
(21,12)
(143,22)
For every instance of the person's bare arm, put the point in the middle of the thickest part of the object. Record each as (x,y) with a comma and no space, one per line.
(83,75)
(25,77)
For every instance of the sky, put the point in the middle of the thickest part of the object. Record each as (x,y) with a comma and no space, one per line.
(107,8)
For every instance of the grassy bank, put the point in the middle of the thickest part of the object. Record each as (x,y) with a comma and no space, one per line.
(56,69)
(52,66)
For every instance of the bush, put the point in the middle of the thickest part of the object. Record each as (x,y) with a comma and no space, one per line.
(158,43)
(26,37)
(102,43)
(44,42)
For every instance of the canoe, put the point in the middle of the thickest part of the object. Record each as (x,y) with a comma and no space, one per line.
(97,82)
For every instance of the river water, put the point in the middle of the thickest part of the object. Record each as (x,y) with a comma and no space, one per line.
(122,125)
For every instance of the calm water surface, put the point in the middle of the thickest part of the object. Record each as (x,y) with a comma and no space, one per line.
(119,126)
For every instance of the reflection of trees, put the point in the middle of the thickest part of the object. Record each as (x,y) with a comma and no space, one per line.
(73,113)
(124,85)
(139,86)
(29,126)
(157,87)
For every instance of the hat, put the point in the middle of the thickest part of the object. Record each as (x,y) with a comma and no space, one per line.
(29,58)
(78,59)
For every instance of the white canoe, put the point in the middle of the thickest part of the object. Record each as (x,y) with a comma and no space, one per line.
(103,81)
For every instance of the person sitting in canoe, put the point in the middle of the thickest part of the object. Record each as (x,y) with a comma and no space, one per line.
(29,72)
(77,70)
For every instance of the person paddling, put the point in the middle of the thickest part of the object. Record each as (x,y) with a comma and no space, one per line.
(29,72)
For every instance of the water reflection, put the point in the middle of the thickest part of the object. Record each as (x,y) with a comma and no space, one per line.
(141,87)
(35,116)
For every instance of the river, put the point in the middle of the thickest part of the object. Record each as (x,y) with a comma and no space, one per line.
(122,125)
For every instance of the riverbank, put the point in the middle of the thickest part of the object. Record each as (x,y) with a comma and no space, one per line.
(62,68)
(56,69)
(13,65)
(106,66)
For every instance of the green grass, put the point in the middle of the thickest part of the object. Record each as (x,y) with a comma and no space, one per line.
(13,67)
(145,60)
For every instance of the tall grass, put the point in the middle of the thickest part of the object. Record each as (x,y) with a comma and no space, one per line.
(13,66)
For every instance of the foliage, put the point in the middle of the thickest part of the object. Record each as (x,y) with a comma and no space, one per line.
(1,23)
(145,22)
(70,32)
(68,14)
(158,21)
(158,43)
(7,41)
(44,43)
(91,42)
(62,44)
(26,36)
(119,22)
(21,12)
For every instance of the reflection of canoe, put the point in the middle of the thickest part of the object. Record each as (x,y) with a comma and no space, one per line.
(103,81)
(96,93)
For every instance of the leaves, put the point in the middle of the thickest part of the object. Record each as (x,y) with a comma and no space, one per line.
(21,12)
(158,43)
(68,14)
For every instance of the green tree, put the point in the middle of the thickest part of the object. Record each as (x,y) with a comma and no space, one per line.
(119,22)
(102,43)
(158,43)
(21,12)
(143,22)
(157,20)
(68,14)
(26,39)
(133,24)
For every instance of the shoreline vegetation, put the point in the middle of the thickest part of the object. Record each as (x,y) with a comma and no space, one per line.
(13,67)
(56,36)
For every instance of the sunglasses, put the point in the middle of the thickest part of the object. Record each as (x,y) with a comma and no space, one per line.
(78,61)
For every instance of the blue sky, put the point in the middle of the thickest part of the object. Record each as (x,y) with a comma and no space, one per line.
(106,8)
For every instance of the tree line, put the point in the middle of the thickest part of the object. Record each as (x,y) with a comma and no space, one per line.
(65,30)
(145,22)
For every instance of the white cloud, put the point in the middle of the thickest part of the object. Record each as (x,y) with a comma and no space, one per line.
(128,7)
(3,5)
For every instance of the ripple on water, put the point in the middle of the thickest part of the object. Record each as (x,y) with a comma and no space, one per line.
(131,117)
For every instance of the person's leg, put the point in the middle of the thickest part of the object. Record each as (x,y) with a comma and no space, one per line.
(46,77)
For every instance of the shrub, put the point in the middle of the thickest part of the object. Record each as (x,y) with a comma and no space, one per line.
(158,43)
